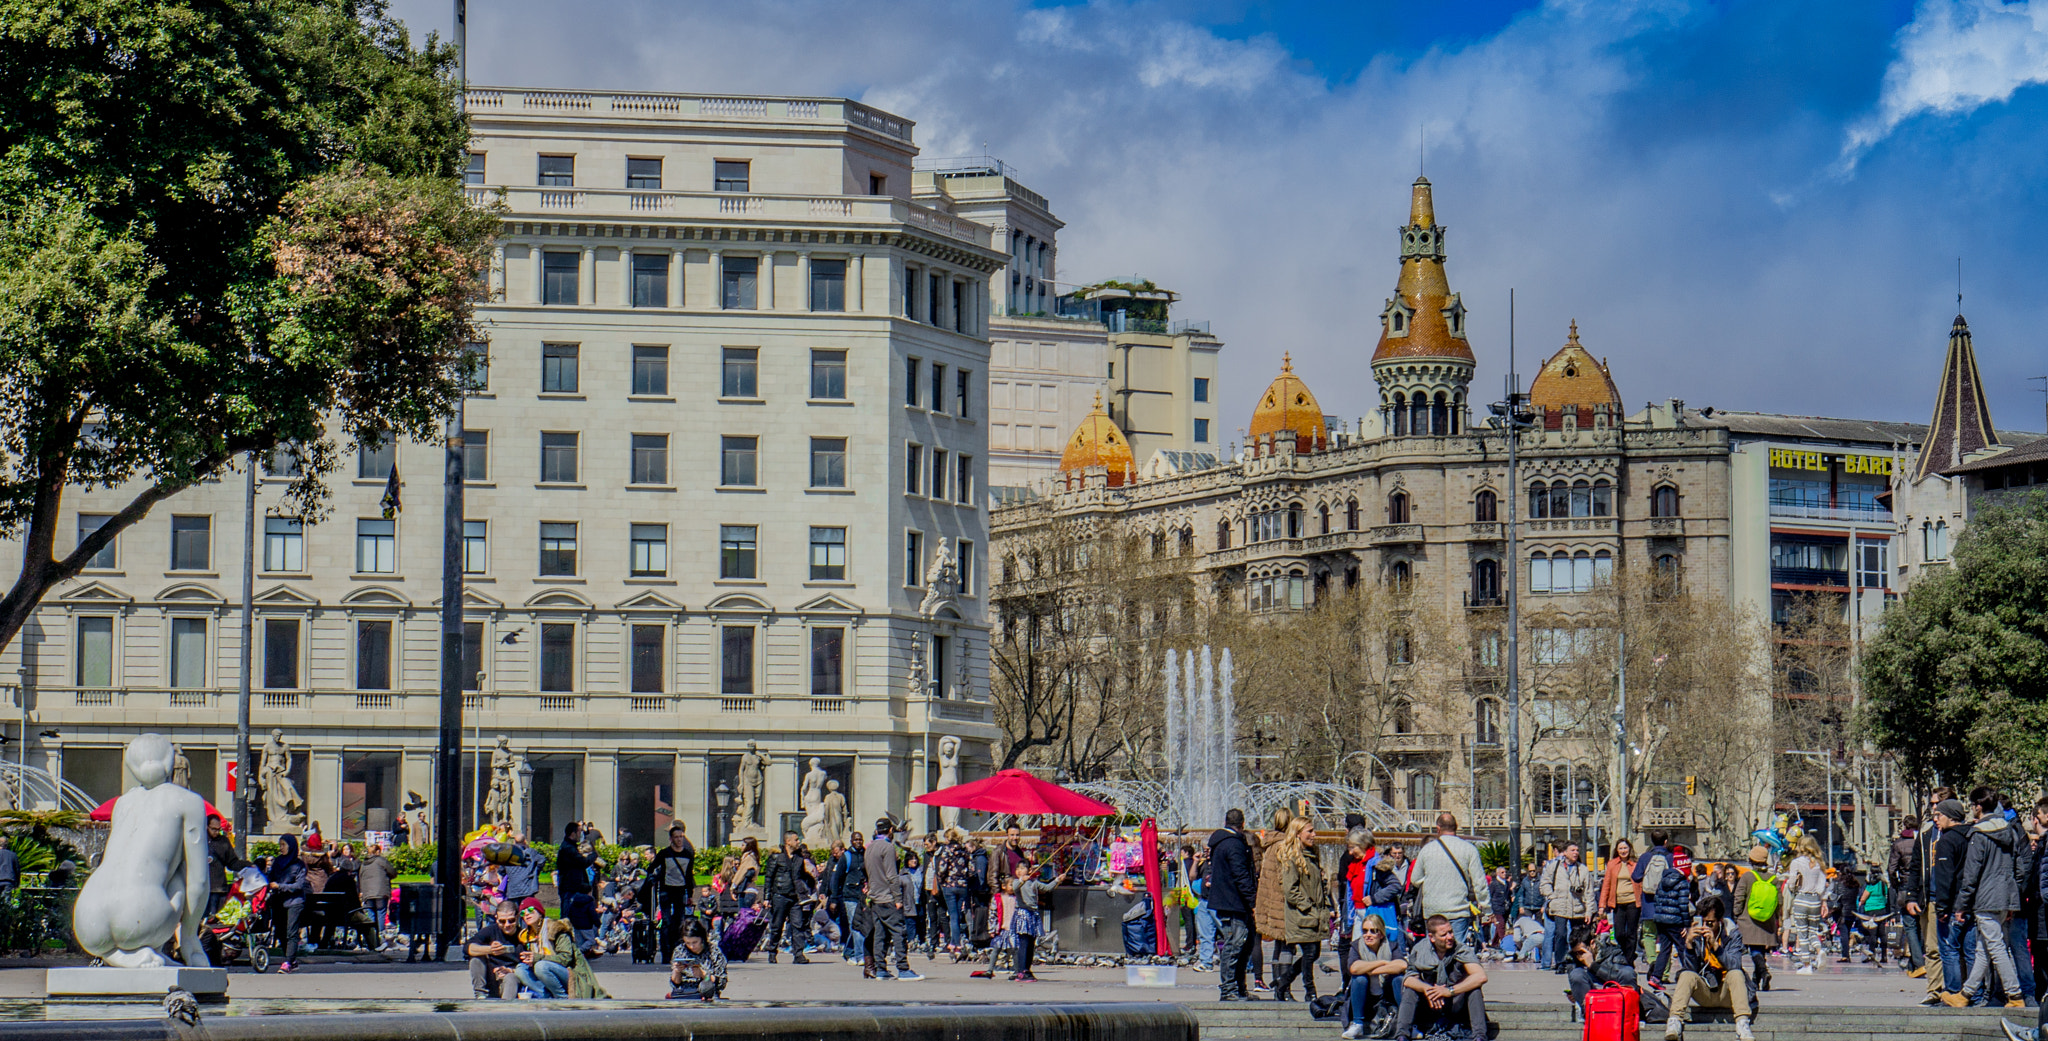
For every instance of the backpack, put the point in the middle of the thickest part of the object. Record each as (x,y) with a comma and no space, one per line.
(1875,899)
(1763,900)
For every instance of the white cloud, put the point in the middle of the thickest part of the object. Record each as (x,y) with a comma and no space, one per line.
(1956,56)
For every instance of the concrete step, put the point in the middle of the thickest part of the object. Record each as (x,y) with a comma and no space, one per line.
(1520,1021)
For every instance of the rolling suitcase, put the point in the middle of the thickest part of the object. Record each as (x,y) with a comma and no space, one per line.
(743,934)
(1613,1013)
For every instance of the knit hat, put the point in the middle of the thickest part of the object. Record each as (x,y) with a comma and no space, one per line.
(533,903)
(1759,855)
(1950,808)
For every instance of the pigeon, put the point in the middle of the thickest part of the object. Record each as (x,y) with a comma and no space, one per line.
(179,1004)
(414,801)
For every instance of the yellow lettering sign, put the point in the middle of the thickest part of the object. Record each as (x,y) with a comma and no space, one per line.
(1799,459)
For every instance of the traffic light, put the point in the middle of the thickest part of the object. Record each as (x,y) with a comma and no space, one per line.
(1691,785)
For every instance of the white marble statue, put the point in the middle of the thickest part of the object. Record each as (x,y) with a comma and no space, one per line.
(502,798)
(151,887)
(283,807)
(838,819)
(949,775)
(941,580)
(812,799)
(753,789)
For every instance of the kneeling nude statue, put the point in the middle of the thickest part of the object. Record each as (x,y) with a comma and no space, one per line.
(151,884)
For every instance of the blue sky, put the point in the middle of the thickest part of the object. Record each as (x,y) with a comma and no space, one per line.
(1752,204)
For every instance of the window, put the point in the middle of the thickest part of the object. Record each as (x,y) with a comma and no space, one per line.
(941,473)
(281,653)
(476,455)
(913,559)
(962,380)
(828,462)
(558,458)
(283,461)
(1400,576)
(828,285)
(909,292)
(650,371)
(736,659)
(1422,791)
(191,543)
(475,547)
(1222,534)
(1582,498)
(913,469)
(1539,572)
(1486,649)
(1486,582)
(911,368)
(1486,722)
(647,657)
(739,277)
(473,173)
(828,374)
(95,651)
(1603,569)
(966,565)
(828,662)
(1400,649)
(963,485)
(959,307)
(558,656)
(188,652)
(739,372)
(1871,561)
(938,387)
(736,461)
(729,175)
(1350,516)
(373,655)
(649,550)
(650,458)
(828,554)
(736,551)
(476,359)
(1397,508)
(558,368)
(92,522)
(1603,498)
(1667,575)
(376,546)
(878,184)
(557,171)
(932,298)
(650,279)
(1201,431)
(284,544)
(1935,541)
(1664,502)
(643,174)
(1485,508)
(472,655)
(376,463)
(1201,388)
(561,270)
(558,548)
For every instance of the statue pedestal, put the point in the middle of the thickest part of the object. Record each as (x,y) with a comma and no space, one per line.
(106,983)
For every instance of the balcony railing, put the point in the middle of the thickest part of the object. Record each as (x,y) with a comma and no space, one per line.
(1807,511)
(1572,524)
(1417,742)
(1486,531)
(206,702)
(1809,576)
(1489,820)
(631,203)
(1396,534)
(1666,817)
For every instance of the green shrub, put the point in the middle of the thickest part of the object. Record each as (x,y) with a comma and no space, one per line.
(1493,855)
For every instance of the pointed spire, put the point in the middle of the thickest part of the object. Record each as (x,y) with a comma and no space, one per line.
(1962,417)
(1421,208)
(1573,339)
(1286,361)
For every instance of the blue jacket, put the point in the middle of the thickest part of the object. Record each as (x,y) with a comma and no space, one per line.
(1671,904)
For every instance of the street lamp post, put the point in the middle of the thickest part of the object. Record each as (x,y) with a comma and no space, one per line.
(1584,808)
(723,798)
(1511,417)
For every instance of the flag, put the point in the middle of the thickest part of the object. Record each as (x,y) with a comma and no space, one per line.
(391,486)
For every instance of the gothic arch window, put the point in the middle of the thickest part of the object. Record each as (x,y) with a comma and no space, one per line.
(1404,716)
(1187,542)
(1418,415)
(1539,500)
(1293,520)
(1400,649)
(1560,500)
(1400,415)
(1297,589)
(1440,414)
(1664,501)
(1490,790)
(1486,722)
(1582,572)
(1582,498)
(1010,568)
(1351,577)
(1400,576)
(1937,541)
(1603,498)
(1485,507)
(1351,515)
(1422,791)
(1458,413)
(1666,575)
(1397,508)
(1223,534)
(1158,544)
(1486,582)
(1323,517)
(1540,572)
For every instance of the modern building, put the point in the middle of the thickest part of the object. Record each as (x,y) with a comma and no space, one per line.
(734,410)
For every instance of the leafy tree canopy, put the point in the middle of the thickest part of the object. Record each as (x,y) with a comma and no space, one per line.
(1956,680)
(225,226)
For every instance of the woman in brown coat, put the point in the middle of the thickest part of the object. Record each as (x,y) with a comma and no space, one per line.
(1269,908)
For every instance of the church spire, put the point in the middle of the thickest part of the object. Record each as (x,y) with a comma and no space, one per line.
(1962,417)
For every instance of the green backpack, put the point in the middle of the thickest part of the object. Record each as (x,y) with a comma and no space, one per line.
(1763,900)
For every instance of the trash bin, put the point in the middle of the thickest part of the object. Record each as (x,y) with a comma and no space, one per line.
(419,908)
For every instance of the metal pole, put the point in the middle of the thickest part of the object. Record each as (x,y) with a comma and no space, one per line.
(248,655)
(448,751)
(1514,570)
(1621,736)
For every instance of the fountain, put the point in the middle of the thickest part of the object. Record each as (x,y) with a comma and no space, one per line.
(1202,764)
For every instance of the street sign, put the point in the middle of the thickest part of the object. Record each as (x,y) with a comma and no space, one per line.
(233,769)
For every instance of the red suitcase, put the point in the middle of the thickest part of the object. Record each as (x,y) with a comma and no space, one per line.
(1613,1013)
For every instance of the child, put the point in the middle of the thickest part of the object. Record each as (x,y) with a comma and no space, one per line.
(1002,910)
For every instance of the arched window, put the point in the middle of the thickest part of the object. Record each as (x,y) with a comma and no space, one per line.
(1404,717)
(1938,541)
(1539,790)
(1560,500)
(1603,567)
(1458,413)
(1422,791)
(1399,576)
(1486,721)
(1665,576)
(1297,589)
(1485,507)
(1397,508)
(1400,413)
(1400,649)
(1323,517)
(1187,542)
(1603,498)
(1486,582)
(1582,498)
(1418,415)
(1158,544)
(1664,501)
(1582,571)
(1223,534)
(1440,414)
(1351,515)
(1010,567)
(1294,520)
(1539,501)
(1490,791)
(1539,573)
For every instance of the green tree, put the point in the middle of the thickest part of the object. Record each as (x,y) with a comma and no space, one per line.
(1955,682)
(225,227)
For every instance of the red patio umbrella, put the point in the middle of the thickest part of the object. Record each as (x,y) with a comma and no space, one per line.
(1017,791)
(105,811)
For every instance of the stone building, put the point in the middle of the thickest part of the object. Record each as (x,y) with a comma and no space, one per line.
(733,405)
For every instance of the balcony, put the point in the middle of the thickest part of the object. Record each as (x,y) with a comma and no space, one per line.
(388,709)
(1871,515)
(1669,527)
(1666,817)
(1396,534)
(1477,600)
(629,204)
(1809,576)
(1485,531)
(1574,524)
(1334,542)
(1417,743)
(1489,820)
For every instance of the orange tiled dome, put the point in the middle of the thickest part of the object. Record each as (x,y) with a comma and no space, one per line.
(1572,378)
(1415,324)
(1289,405)
(1098,442)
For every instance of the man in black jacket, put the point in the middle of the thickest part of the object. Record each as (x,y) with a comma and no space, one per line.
(1956,935)
(572,873)
(786,880)
(1231,889)
(1908,892)
(672,882)
(224,862)
(848,876)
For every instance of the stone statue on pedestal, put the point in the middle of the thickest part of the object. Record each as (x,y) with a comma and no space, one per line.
(283,807)
(151,886)
(949,775)
(941,580)
(181,769)
(501,800)
(812,799)
(838,820)
(753,791)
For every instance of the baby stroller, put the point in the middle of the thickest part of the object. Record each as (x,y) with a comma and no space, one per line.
(241,930)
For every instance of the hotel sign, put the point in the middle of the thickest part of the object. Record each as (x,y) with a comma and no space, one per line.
(1799,459)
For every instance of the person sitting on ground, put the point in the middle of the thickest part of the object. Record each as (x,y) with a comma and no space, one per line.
(494,951)
(1375,981)
(1442,984)
(1597,958)
(1710,959)
(553,965)
(698,972)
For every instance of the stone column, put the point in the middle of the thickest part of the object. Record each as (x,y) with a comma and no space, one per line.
(497,277)
(540,278)
(586,273)
(601,791)
(717,280)
(782,780)
(764,282)
(675,279)
(857,282)
(692,795)
(803,280)
(872,788)
(625,284)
